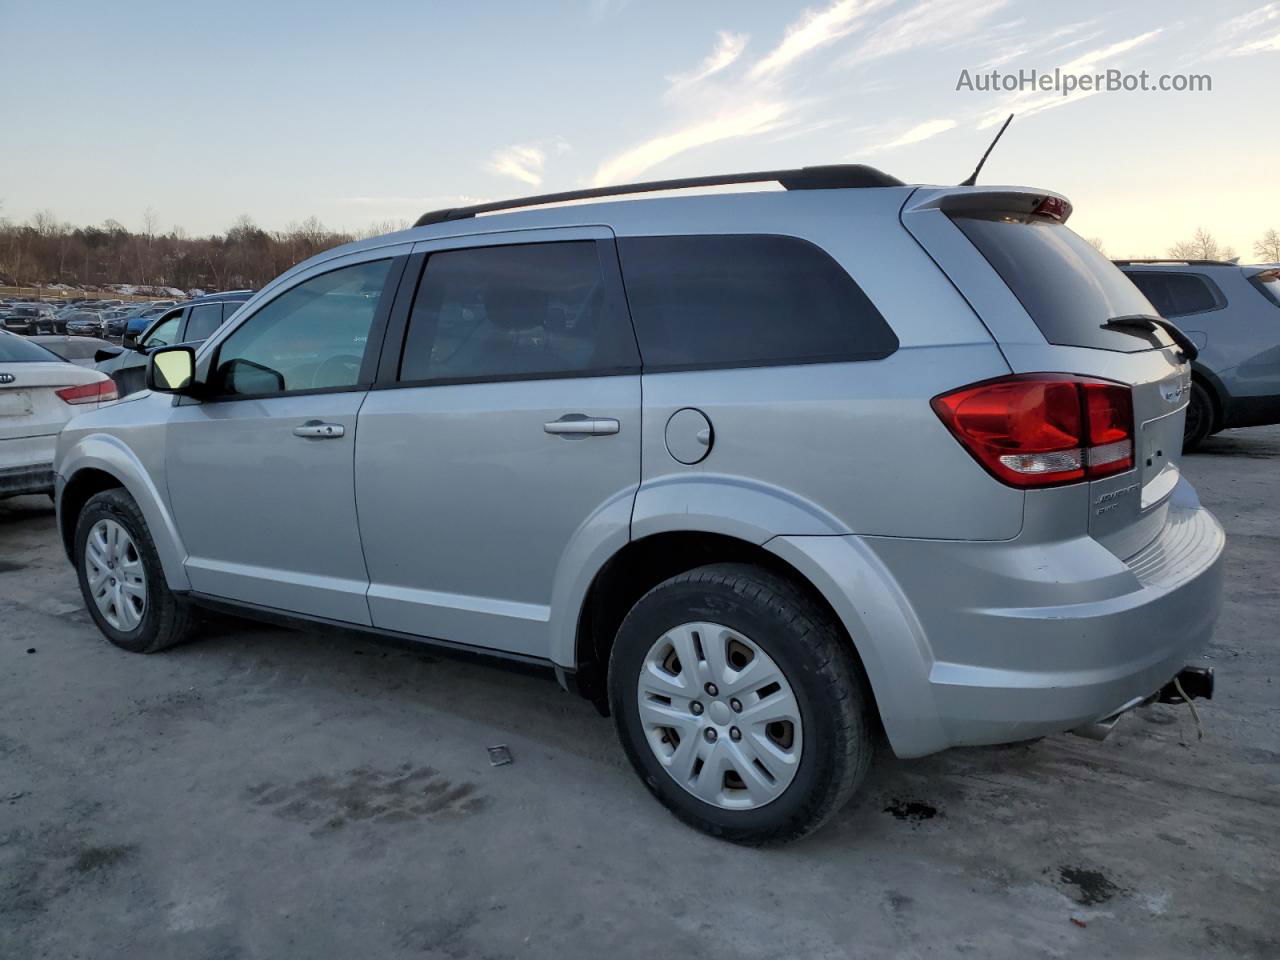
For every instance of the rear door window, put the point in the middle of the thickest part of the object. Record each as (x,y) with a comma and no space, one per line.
(1176,294)
(746,300)
(510,312)
(1067,287)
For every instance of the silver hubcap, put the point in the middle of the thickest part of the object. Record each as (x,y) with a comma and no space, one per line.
(117,579)
(720,716)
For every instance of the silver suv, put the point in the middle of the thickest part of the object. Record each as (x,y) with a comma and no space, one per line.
(765,475)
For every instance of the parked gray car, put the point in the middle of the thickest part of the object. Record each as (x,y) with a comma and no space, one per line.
(761,474)
(1232,313)
(191,322)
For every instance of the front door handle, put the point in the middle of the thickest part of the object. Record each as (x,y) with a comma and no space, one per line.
(577,425)
(319,430)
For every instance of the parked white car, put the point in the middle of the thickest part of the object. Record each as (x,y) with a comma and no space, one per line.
(39,392)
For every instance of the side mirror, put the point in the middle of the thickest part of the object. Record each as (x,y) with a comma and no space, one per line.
(107,353)
(130,340)
(171,370)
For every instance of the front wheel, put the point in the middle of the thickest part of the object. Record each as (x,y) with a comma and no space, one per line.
(740,704)
(120,577)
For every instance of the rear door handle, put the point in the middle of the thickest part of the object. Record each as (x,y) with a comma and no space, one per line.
(319,430)
(575,424)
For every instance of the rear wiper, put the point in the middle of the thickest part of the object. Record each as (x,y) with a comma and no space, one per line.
(1142,322)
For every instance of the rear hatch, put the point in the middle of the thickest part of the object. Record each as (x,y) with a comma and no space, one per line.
(1055,304)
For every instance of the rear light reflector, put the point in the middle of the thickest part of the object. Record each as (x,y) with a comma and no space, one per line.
(1054,207)
(99,392)
(1043,429)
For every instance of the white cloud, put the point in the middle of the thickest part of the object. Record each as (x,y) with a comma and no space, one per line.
(729,47)
(754,118)
(921,131)
(1024,103)
(522,161)
(1246,28)
(813,30)
(930,23)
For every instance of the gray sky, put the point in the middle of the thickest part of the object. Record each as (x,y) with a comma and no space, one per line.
(367,112)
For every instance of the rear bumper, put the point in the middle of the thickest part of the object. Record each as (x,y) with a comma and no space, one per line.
(26,465)
(1091,635)
(969,643)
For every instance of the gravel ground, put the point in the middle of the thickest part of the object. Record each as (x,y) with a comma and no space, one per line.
(264,793)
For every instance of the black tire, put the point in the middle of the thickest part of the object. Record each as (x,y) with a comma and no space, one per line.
(1200,418)
(835,703)
(166,620)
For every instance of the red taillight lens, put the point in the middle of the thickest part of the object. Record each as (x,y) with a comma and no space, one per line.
(1054,207)
(99,392)
(1043,429)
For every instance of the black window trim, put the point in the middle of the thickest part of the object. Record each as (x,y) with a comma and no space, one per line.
(388,377)
(391,287)
(858,356)
(1219,300)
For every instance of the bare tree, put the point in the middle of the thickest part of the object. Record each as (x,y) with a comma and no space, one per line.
(149,221)
(1097,244)
(1268,248)
(1203,247)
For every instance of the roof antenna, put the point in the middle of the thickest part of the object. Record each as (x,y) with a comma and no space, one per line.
(973,177)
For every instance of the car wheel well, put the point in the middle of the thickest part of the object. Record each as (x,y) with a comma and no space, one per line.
(643,564)
(79,488)
(1215,401)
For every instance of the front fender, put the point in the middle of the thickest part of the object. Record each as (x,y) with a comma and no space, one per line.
(104,452)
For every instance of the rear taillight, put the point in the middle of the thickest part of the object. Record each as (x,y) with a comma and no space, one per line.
(99,392)
(1043,429)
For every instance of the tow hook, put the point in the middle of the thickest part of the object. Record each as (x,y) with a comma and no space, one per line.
(1196,683)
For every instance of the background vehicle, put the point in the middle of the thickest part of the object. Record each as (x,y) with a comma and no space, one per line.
(81,351)
(759,473)
(39,392)
(142,316)
(191,322)
(29,318)
(85,323)
(1232,313)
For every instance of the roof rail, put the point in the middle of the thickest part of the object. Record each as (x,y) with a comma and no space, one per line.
(1182,260)
(837,176)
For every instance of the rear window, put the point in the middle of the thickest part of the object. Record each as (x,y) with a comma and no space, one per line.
(746,300)
(14,349)
(1176,294)
(1068,288)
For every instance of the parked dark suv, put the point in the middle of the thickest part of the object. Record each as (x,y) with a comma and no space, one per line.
(191,322)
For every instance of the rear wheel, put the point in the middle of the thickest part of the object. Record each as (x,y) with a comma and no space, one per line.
(121,580)
(1199,418)
(740,704)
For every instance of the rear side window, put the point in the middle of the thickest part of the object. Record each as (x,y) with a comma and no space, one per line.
(1268,284)
(1175,294)
(205,318)
(1067,287)
(511,312)
(746,300)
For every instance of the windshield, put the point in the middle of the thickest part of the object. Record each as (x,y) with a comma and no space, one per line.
(1067,287)
(15,349)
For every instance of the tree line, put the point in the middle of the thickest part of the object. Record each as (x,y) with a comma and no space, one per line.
(44,250)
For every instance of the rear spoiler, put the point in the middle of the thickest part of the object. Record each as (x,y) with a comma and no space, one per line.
(1018,201)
